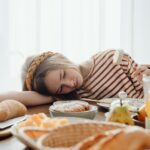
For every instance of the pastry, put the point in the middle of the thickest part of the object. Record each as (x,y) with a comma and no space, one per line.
(41,120)
(73,106)
(36,125)
(11,109)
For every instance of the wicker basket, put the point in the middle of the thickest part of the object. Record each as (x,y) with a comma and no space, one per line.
(63,137)
(67,136)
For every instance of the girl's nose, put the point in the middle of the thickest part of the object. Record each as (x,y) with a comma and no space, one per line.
(69,83)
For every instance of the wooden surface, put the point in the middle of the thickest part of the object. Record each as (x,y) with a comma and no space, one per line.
(11,143)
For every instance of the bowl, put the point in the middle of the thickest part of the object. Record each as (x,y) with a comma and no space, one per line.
(126,103)
(89,114)
(137,122)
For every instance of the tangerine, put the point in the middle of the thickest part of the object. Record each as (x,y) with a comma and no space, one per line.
(142,113)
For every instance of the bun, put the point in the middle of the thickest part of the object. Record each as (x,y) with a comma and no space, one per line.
(11,109)
(74,106)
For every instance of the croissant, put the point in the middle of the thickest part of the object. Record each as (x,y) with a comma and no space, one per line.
(11,109)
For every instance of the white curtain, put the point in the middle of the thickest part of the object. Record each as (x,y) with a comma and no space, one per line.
(76,28)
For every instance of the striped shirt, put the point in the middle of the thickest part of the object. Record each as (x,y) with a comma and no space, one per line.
(107,79)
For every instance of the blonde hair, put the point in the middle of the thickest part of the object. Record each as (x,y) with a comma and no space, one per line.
(57,61)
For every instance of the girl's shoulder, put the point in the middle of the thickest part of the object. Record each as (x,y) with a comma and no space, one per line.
(104,53)
(86,67)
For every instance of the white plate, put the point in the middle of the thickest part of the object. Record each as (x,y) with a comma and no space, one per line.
(106,103)
(5,126)
(89,114)
(11,122)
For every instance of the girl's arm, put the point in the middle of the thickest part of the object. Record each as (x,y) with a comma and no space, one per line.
(28,98)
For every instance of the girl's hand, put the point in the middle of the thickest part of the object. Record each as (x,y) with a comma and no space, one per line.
(138,74)
(139,71)
(145,70)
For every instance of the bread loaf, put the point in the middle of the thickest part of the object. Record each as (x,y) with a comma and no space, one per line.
(129,138)
(11,109)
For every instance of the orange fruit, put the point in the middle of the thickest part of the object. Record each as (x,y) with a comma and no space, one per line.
(141,113)
(147,108)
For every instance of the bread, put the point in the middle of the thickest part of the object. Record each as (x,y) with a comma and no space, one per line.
(89,142)
(11,109)
(73,106)
(41,120)
(129,138)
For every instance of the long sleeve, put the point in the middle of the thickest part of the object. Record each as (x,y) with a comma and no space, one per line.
(108,79)
(129,66)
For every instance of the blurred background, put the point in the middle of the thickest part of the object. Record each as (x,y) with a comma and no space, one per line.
(76,28)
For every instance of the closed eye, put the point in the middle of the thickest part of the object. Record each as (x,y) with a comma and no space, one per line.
(61,74)
(64,74)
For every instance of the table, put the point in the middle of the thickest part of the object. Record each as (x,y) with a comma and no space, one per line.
(12,143)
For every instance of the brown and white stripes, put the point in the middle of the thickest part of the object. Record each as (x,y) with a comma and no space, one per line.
(107,79)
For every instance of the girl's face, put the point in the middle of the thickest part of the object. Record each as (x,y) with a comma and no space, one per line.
(63,81)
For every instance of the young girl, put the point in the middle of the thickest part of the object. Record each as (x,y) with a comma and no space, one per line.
(51,75)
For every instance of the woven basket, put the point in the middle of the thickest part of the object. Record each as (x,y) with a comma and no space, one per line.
(63,137)
(67,136)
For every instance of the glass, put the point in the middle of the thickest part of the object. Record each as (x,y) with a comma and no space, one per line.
(147,109)
(146,87)
(147,104)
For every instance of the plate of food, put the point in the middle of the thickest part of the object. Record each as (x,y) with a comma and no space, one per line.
(133,103)
(73,108)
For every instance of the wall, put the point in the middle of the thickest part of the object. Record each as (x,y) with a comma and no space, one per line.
(141,38)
